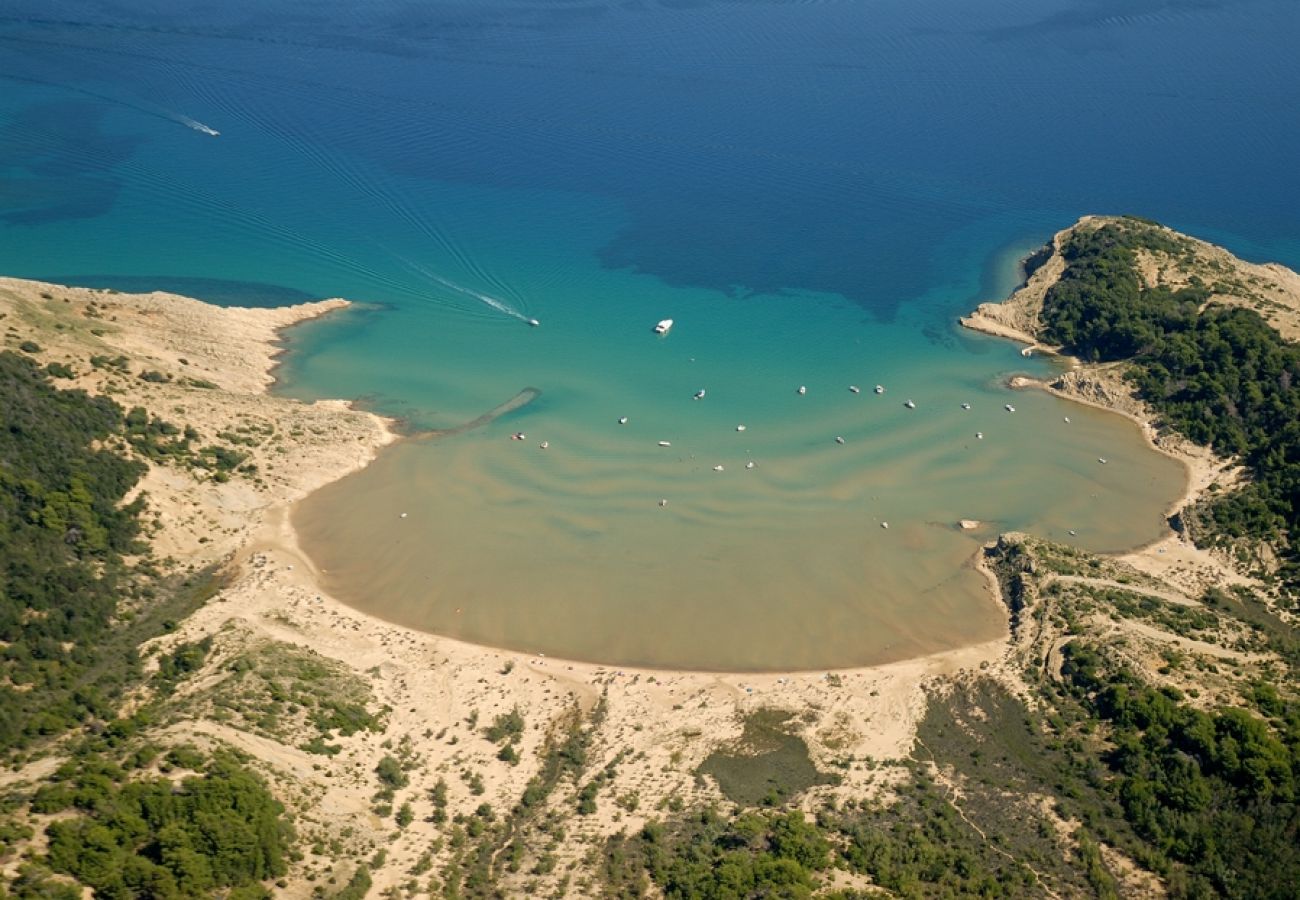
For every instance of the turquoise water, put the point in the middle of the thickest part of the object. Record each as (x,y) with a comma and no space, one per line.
(813,191)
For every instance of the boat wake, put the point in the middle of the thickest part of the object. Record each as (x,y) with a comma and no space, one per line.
(195,124)
(491,302)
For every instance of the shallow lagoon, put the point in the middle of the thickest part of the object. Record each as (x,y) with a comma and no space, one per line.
(566,550)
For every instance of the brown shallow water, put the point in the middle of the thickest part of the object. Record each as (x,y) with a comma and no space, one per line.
(566,551)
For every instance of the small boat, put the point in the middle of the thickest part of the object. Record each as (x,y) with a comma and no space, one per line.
(839,440)
(740,427)
(545,444)
(717,468)
(663,502)
(665,443)
(1067,420)
(965,406)
(622,420)
(1102,460)
(854,389)
(880,389)
(749,465)
(884,524)
(518,436)
(664,326)
(534,322)
(909,404)
(1008,407)
(699,395)
(979,435)
(802,390)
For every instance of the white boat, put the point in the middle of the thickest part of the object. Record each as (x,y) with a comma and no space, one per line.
(965,406)
(802,390)
(699,395)
(717,468)
(1008,407)
(749,465)
(880,389)
(839,440)
(855,389)
(665,443)
(622,420)
(534,322)
(740,427)
(664,326)
(909,404)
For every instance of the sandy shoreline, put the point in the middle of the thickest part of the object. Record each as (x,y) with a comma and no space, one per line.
(212,369)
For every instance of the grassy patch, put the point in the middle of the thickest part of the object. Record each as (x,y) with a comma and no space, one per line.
(767,766)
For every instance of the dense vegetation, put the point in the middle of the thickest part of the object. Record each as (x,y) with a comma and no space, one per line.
(1215,792)
(119,817)
(706,856)
(149,836)
(62,536)
(1222,377)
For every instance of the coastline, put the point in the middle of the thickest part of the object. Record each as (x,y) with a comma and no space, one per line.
(431,685)
(429,697)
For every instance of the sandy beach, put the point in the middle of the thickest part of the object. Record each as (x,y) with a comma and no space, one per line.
(433,695)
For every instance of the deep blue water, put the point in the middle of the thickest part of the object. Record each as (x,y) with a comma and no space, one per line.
(741,147)
(813,190)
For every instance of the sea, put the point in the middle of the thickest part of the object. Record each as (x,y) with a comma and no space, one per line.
(811,190)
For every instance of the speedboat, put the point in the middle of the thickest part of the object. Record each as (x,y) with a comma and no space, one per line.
(663,326)
(1008,407)
(534,322)
(854,389)
(665,443)
(699,395)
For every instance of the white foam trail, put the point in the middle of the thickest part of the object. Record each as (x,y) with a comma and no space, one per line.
(195,124)
(495,302)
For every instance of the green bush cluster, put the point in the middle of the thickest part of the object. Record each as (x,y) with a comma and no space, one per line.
(156,439)
(706,856)
(150,837)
